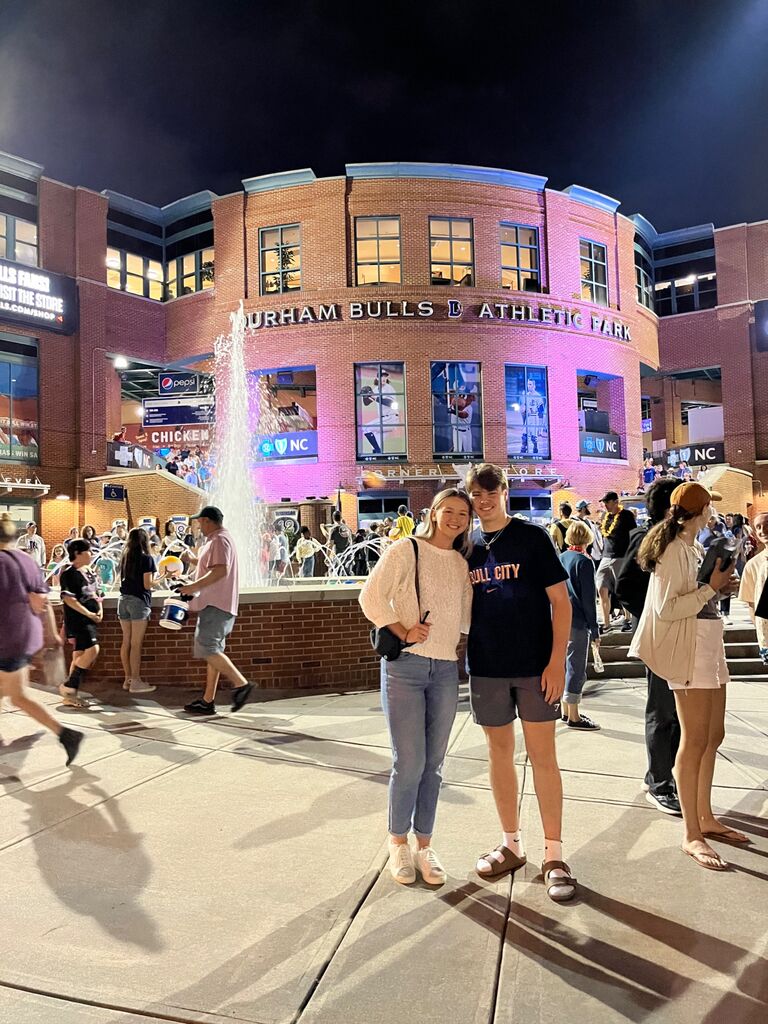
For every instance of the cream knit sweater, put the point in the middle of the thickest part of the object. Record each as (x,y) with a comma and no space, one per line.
(389,595)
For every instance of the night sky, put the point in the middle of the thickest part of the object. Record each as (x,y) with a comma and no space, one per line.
(662,104)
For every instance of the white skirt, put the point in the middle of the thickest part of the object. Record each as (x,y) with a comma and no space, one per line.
(710,669)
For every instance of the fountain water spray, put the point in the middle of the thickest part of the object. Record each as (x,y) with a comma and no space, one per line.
(233,486)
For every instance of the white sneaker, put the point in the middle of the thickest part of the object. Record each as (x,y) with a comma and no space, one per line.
(139,686)
(432,871)
(401,863)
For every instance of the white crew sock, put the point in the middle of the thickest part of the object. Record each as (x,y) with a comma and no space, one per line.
(512,840)
(553,850)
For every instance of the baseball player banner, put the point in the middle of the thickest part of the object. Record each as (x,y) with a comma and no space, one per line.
(527,409)
(457,410)
(380,412)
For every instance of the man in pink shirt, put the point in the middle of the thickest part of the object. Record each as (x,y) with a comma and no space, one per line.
(217,588)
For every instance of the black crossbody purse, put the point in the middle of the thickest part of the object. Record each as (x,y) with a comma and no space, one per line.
(383,640)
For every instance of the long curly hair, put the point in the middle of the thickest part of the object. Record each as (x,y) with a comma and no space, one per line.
(659,537)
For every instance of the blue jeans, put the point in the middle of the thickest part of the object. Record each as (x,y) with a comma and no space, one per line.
(576,665)
(419,696)
(308,566)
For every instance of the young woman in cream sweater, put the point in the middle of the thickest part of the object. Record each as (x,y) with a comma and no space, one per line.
(680,638)
(420,689)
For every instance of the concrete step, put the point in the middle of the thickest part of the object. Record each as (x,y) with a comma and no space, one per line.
(733,635)
(616,653)
(624,669)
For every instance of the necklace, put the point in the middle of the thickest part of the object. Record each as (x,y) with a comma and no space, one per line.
(495,537)
(607,529)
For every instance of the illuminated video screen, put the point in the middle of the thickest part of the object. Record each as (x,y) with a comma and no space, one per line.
(284,416)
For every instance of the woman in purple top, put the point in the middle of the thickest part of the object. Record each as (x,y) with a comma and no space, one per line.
(24,600)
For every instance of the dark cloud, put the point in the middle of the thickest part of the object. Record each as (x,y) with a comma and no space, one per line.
(661,105)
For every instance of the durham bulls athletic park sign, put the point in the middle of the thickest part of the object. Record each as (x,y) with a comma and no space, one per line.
(454,310)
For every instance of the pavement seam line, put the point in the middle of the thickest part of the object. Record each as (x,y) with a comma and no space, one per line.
(331,955)
(82,1001)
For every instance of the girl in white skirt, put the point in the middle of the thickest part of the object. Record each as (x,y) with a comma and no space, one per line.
(680,638)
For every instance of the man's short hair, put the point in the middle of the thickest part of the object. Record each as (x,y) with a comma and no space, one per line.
(566,509)
(337,516)
(657,498)
(77,547)
(487,476)
(402,510)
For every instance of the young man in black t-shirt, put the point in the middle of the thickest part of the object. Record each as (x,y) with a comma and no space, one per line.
(521,621)
(82,614)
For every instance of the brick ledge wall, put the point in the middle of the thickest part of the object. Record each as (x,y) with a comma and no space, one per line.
(293,642)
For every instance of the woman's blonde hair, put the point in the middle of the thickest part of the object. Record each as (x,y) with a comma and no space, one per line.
(659,537)
(578,535)
(428,527)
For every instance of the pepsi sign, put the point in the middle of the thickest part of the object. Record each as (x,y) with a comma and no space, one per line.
(298,444)
(174,383)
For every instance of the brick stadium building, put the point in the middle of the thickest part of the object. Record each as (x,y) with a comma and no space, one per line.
(404,320)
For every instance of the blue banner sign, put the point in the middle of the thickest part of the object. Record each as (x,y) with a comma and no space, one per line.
(299,444)
(599,446)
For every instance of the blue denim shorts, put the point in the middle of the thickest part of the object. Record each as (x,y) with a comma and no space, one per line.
(13,664)
(211,632)
(130,607)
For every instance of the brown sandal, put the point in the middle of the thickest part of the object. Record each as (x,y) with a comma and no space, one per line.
(552,883)
(509,862)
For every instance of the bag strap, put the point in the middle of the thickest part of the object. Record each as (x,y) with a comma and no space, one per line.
(416,577)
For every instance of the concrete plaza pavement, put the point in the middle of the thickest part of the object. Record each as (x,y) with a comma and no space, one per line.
(232,869)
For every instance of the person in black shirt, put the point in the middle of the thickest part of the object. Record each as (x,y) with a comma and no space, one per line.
(662,726)
(82,613)
(618,522)
(521,621)
(137,570)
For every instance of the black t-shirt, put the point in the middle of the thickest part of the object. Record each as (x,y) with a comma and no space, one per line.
(617,540)
(511,634)
(133,586)
(83,585)
(340,537)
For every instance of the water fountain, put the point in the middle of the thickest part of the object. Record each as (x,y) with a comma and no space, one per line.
(233,488)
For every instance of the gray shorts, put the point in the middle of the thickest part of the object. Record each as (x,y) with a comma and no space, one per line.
(131,608)
(501,701)
(211,632)
(605,577)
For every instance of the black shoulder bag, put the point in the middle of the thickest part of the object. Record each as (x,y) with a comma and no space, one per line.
(383,640)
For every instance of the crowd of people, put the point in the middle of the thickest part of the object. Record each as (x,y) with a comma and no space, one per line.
(533,604)
(192,465)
